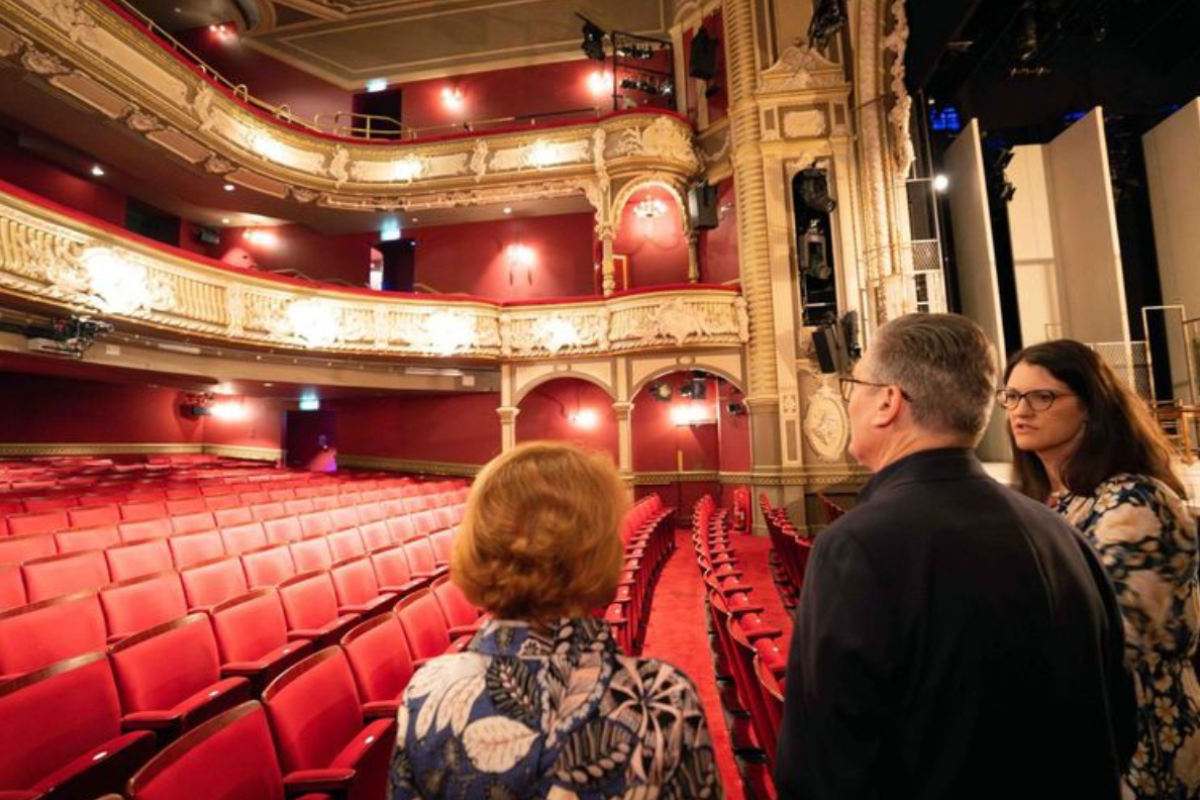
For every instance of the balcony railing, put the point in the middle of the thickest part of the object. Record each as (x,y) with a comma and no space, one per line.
(53,256)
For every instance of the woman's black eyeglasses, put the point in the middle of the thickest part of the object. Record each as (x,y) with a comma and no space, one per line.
(1038,399)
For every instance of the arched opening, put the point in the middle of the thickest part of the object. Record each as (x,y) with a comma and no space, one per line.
(651,247)
(691,428)
(569,409)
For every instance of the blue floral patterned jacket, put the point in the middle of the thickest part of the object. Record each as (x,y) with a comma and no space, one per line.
(555,714)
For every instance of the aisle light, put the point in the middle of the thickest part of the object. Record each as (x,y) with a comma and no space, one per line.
(584,418)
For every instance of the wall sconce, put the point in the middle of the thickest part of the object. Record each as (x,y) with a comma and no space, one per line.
(690,414)
(452,97)
(229,411)
(585,418)
(520,255)
(649,208)
(261,238)
(600,83)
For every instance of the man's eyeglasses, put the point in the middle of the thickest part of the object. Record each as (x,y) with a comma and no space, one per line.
(1038,399)
(848,382)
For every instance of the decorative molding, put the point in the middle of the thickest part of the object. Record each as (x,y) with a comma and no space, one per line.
(900,114)
(806,478)
(826,424)
(13,450)
(800,69)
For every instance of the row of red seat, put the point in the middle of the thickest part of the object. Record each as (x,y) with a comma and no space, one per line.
(331,712)
(649,540)
(789,552)
(751,655)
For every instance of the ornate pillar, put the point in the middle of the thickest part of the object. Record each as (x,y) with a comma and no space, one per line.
(508,427)
(607,235)
(624,414)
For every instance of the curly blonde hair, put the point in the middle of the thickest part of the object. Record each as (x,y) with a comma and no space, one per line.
(540,537)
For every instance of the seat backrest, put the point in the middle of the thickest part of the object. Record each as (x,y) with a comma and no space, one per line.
(420,556)
(444,517)
(55,576)
(314,710)
(212,582)
(370,512)
(38,522)
(249,626)
(185,506)
(391,566)
(230,757)
(394,508)
(192,522)
(354,581)
(442,543)
(401,528)
(315,523)
(301,506)
(90,516)
(39,634)
(235,515)
(15,549)
(264,511)
(346,544)
(219,502)
(139,510)
(379,658)
(38,743)
(283,530)
(136,605)
(97,538)
(375,535)
(52,503)
(423,623)
(455,606)
(344,517)
(311,554)
(161,667)
(243,538)
(153,528)
(136,559)
(309,600)
(12,587)
(191,548)
(268,566)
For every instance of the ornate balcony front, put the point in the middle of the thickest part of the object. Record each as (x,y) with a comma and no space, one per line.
(94,53)
(52,257)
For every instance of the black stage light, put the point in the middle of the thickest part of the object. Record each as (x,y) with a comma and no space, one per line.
(593,41)
(660,390)
(814,191)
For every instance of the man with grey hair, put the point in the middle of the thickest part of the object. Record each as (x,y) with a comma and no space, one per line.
(954,638)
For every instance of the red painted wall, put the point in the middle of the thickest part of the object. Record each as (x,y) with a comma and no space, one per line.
(656,439)
(298,247)
(656,246)
(260,423)
(267,78)
(27,170)
(475,258)
(717,248)
(461,428)
(35,408)
(544,415)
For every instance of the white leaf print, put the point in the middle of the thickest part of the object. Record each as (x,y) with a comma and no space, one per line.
(455,706)
(402,721)
(566,700)
(444,670)
(496,744)
(559,793)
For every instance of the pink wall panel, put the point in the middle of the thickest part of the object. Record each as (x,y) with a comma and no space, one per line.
(298,247)
(717,248)
(58,184)
(257,423)
(545,414)
(461,428)
(657,441)
(656,246)
(477,258)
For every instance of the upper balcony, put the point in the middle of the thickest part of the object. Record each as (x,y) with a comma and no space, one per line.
(94,53)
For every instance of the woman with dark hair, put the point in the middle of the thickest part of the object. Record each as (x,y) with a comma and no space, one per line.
(1085,444)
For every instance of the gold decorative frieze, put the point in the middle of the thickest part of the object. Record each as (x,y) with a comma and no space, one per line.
(52,257)
(119,72)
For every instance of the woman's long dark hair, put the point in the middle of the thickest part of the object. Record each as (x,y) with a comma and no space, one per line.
(1119,436)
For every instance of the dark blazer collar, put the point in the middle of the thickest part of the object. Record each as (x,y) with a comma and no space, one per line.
(925,465)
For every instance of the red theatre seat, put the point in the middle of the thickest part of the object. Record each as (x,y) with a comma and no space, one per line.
(422,559)
(139,604)
(190,523)
(228,517)
(97,538)
(88,517)
(243,538)
(316,523)
(148,509)
(345,517)
(58,575)
(283,530)
(78,754)
(37,635)
(152,528)
(424,626)
(12,587)
(311,607)
(252,637)
(136,559)
(375,535)
(381,662)
(230,757)
(357,590)
(346,544)
(268,566)
(15,549)
(38,522)
(311,554)
(317,722)
(169,677)
(461,616)
(393,571)
(189,549)
(212,582)
(267,510)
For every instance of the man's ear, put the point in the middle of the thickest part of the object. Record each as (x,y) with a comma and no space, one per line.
(887,406)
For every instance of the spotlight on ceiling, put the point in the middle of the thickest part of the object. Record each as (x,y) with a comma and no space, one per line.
(660,390)
(593,39)
(814,191)
(941,182)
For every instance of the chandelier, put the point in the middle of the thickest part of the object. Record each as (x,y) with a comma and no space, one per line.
(650,207)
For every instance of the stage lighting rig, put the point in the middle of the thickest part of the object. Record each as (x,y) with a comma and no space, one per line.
(593,39)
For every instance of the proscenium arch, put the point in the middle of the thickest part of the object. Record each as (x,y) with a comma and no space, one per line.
(522,392)
(659,181)
(736,381)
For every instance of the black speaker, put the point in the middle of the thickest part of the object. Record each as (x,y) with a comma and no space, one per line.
(702,206)
(832,355)
(703,61)
(399,264)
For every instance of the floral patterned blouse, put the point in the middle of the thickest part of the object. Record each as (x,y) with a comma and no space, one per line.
(557,714)
(1147,541)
